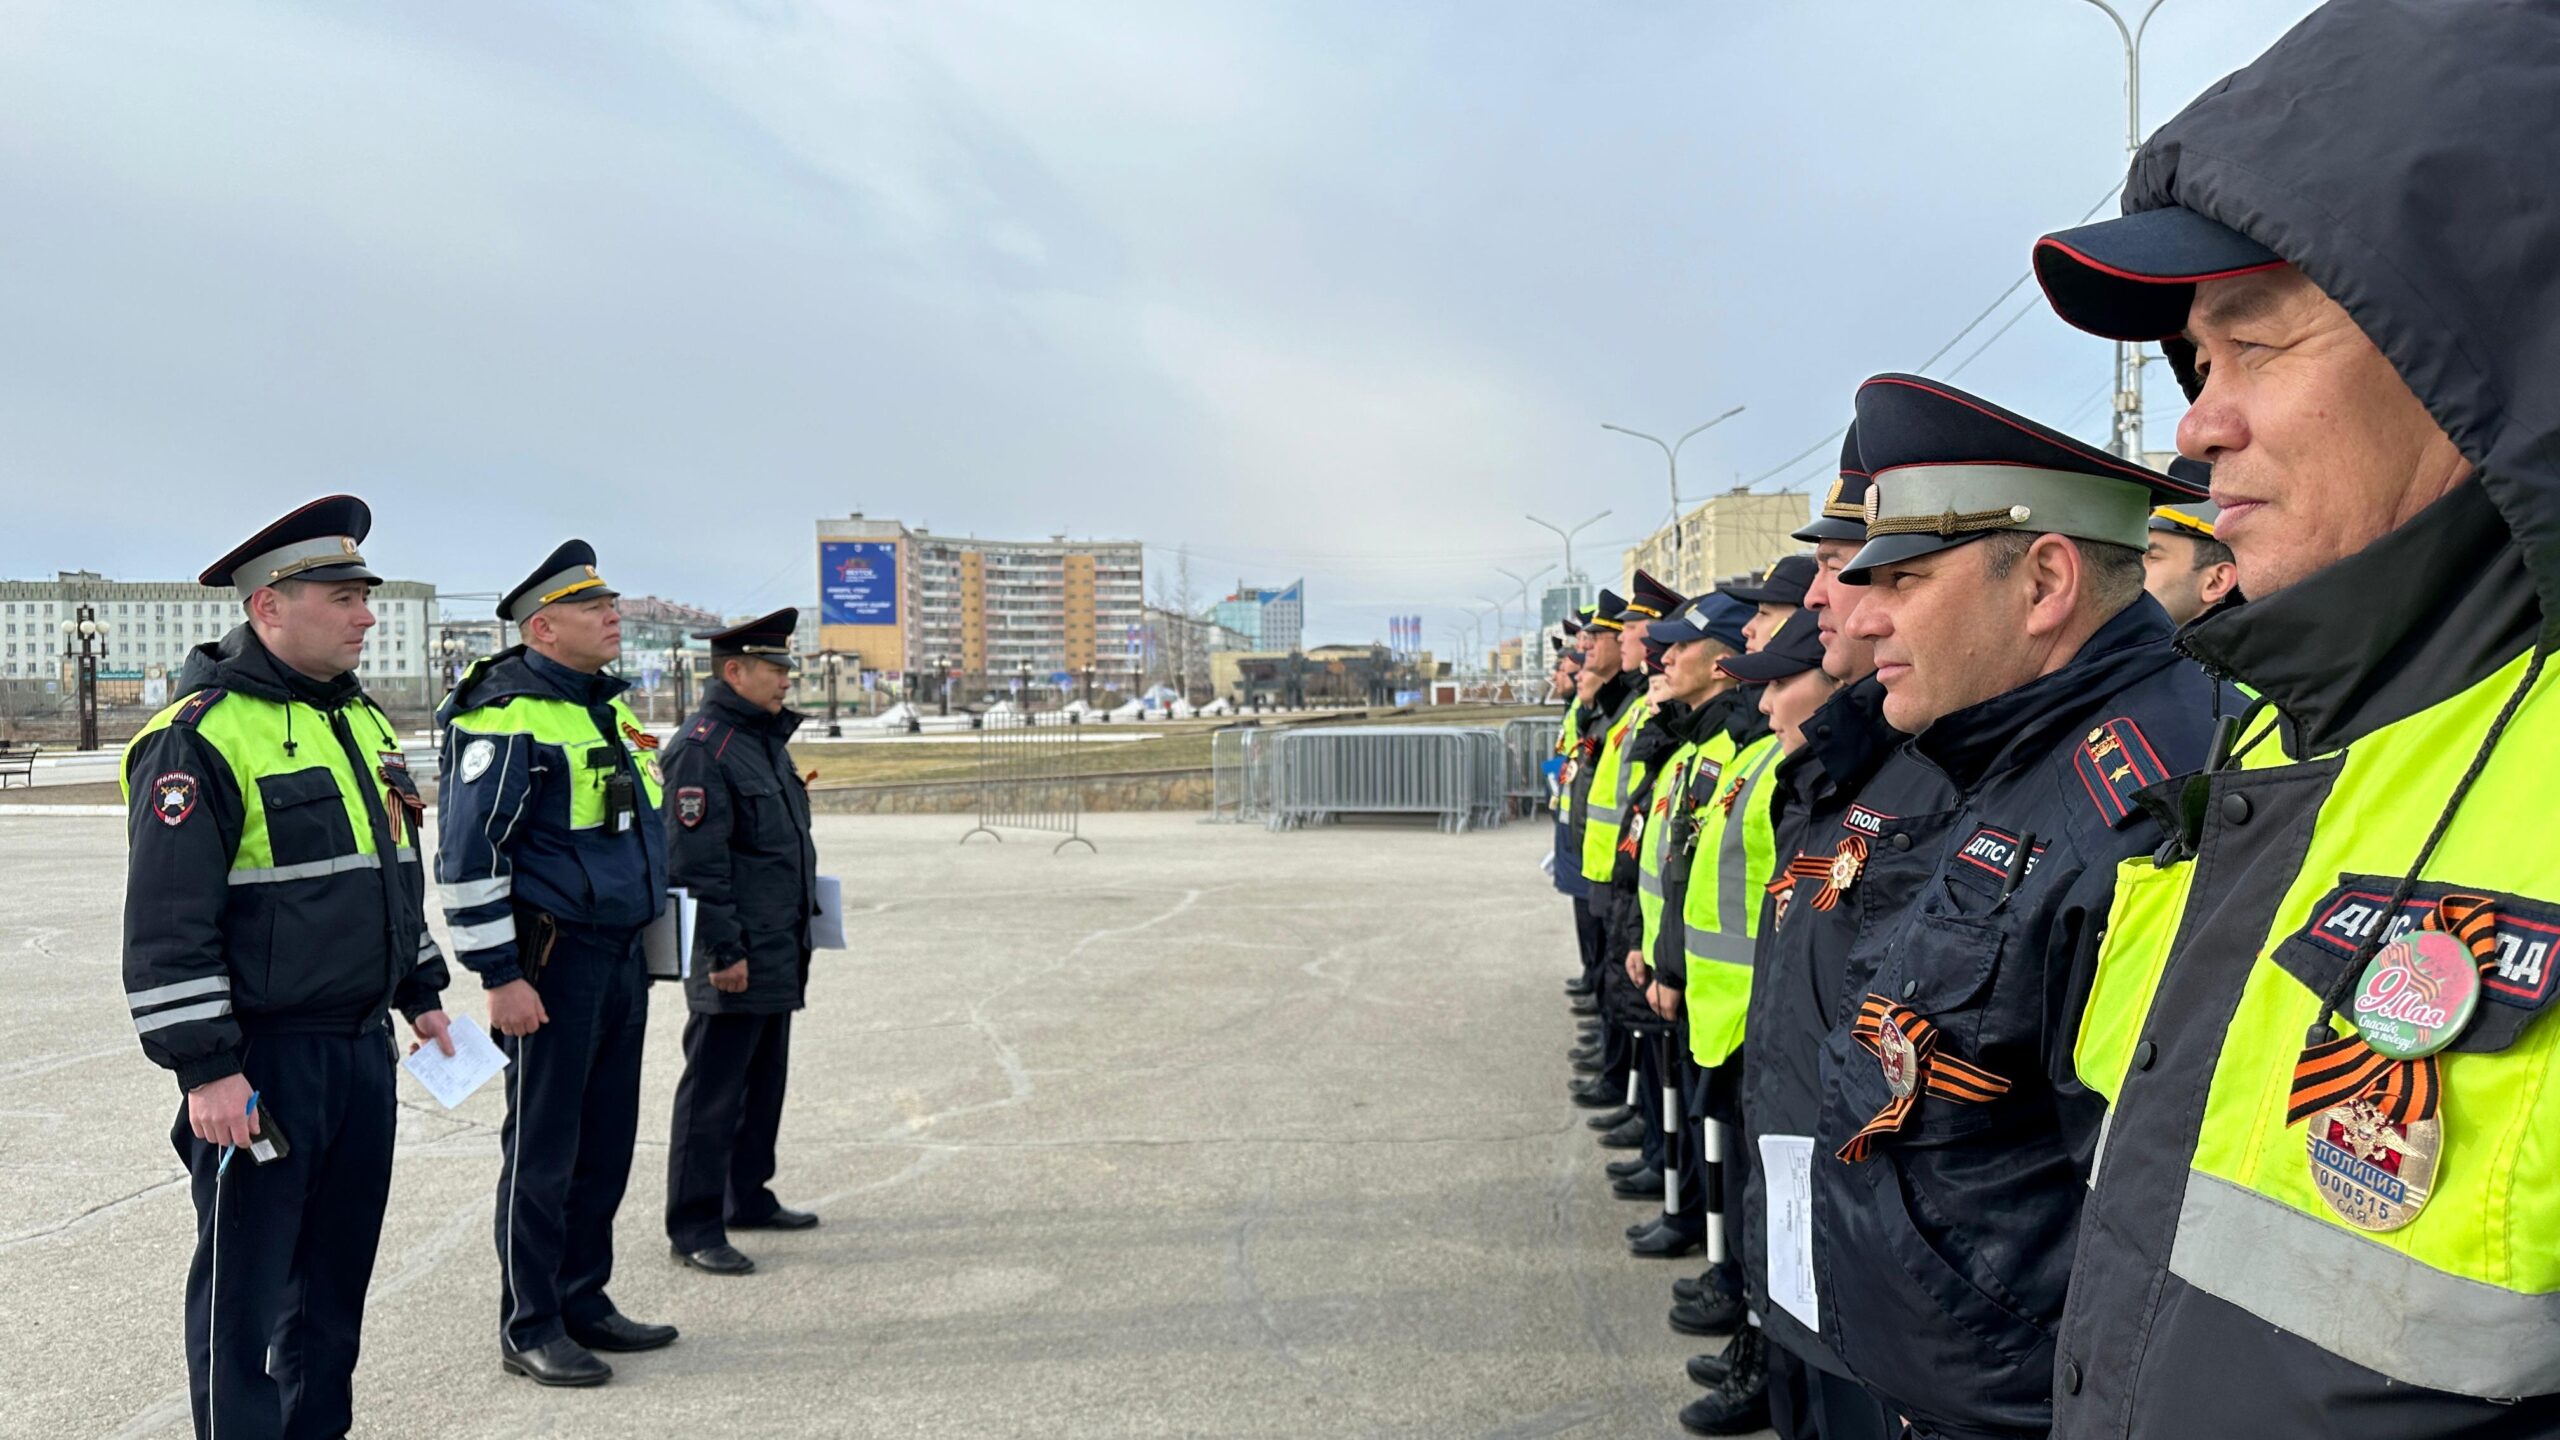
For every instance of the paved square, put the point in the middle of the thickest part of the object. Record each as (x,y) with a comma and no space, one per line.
(1216,1132)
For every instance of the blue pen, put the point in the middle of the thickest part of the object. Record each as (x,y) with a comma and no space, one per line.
(225,1162)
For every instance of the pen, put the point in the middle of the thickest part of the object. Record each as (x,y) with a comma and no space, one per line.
(2018,861)
(225,1162)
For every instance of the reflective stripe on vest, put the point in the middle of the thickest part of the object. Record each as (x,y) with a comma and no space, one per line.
(1737,851)
(1654,844)
(2466,1296)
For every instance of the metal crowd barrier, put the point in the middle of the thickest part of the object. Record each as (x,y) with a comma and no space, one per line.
(1027,777)
(1527,744)
(1288,778)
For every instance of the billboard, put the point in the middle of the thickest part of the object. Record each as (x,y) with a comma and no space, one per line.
(858,582)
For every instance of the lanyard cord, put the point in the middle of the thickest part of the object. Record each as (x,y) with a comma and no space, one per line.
(2322,1032)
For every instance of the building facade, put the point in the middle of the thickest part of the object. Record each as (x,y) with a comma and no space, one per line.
(1271,621)
(1731,534)
(152,624)
(1178,648)
(902,599)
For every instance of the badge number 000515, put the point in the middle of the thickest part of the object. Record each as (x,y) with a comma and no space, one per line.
(2413,1000)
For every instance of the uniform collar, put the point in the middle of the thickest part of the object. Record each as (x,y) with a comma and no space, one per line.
(717,696)
(1984,739)
(2415,618)
(575,685)
(1848,736)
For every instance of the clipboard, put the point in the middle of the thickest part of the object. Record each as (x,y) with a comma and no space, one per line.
(667,941)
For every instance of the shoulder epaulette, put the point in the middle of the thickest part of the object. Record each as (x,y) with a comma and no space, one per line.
(2114,764)
(191,709)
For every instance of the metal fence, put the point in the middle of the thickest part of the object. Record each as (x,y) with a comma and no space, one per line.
(1027,778)
(1288,778)
(1527,744)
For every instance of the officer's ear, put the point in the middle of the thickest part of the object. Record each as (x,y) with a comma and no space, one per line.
(2050,573)
(2219,580)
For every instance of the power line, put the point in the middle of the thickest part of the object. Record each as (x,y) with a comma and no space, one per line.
(1940,353)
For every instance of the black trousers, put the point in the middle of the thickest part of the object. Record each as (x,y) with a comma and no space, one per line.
(720,1160)
(573,1113)
(284,1251)
(1807,1402)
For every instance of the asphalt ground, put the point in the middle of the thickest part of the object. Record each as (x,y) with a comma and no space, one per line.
(1214,1132)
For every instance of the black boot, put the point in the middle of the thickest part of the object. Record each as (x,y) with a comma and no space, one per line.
(1740,1405)
(1628,1136)
(1611,1119)
(1709,1370)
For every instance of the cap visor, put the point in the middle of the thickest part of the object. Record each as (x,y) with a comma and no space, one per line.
(1894,549)
(1826,528)
(2133,277)
(1763,666)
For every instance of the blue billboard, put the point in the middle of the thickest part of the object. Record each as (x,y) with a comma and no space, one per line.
(858,582)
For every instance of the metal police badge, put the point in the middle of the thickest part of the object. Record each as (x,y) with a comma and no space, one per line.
(475,759)
(2375,1175)
(1845,865)
(1899,1058)
(2417,995)
(173,797)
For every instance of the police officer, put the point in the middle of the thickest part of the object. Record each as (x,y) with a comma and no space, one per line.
(551,859)
(274,910)
(1607,693)
(2017,647)
(1850,771)
(2319,1211)
(2186,569)
(1773,596)
(1705,719)
(1722,916)
(1613,870)
(739,841)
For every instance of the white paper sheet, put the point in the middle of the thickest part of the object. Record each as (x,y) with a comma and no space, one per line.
(1786,1170)
(826,928)
(452,1078)
(668,941)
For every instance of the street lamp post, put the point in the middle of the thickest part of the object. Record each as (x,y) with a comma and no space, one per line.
(2129,358)
(1671,452)
(91,634)
(1022,684)
(834,664)
(1571,575)
(942,691)
(1526,628)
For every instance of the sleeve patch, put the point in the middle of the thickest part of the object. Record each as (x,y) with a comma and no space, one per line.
(690,805)
(173,797)
(2114,764)
(476,758)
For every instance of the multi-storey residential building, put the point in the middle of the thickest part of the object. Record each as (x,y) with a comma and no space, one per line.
(1272,622)
(905,598)
(1731,534)
(151,624)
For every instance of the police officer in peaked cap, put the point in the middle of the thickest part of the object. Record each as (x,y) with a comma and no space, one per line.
(552,857)
(739,841)
(2018,649)
(2187,569)
(274,914)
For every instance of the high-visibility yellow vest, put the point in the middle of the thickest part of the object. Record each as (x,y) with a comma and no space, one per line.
(2465,1297)
(1565,737)
(1604,812)
(1737,852)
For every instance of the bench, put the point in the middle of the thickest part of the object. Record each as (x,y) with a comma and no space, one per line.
(20,763)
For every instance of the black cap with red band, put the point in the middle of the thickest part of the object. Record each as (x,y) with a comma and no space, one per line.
(2133,277)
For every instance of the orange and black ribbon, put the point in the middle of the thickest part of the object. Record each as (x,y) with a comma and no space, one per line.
(1731,793)
(2405,1091)
(1944,1076)
(1817,867)
(640,739)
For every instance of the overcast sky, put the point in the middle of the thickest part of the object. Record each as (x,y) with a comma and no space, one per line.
(1332,289)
